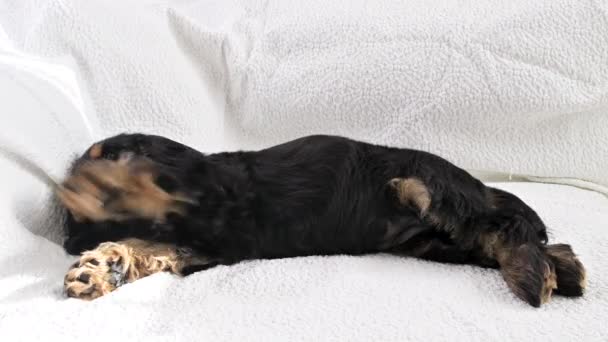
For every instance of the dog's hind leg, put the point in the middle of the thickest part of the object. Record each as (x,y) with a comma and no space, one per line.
(432,243)
(504,232)
(569,272)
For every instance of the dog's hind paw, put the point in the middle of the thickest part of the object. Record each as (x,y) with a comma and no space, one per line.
(571,275)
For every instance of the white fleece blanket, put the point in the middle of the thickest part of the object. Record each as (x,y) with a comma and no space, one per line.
(518,87)
(340,298)
(515,87)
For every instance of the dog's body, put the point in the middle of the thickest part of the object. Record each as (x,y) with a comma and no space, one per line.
(316,195)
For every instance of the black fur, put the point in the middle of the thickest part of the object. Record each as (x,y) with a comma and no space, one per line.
(317,195)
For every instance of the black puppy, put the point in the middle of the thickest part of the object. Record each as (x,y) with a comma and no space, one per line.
(157,205)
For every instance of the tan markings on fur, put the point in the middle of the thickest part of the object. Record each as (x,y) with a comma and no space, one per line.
(515,267)
(85,203)
(137,259)
(99,282)
(412,191)
(549,283)
(148,258)
(583,282)
(566,256)
(87,193)
(96,151)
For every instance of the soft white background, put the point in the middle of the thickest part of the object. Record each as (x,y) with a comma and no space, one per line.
(514,87)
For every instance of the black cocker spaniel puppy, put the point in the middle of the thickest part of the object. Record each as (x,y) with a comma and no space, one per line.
(139,204)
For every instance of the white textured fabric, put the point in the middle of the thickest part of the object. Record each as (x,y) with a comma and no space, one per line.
(513,86)
(492,85)
(338,298)
(379,298)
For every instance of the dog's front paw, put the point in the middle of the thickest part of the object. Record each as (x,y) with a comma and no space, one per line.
(98,272)
(112,264)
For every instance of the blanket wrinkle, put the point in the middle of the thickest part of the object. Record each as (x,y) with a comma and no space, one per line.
(506,55)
